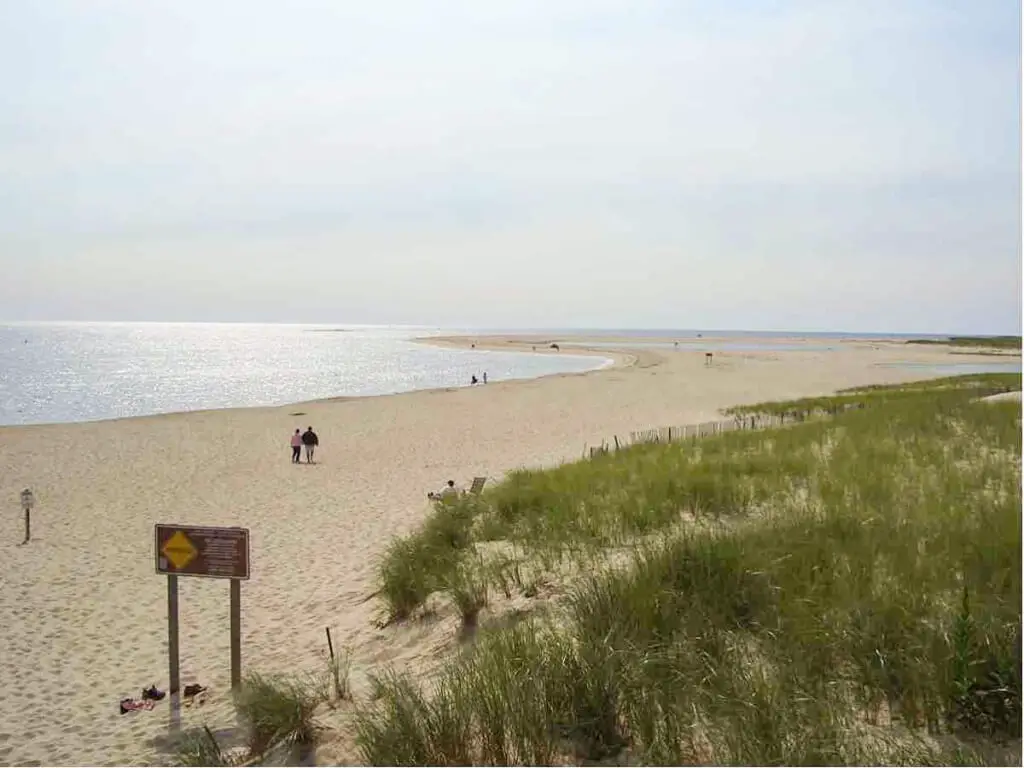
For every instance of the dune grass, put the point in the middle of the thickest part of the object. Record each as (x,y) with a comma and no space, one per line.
(278,718)
(640,490)
(855,599)
(199,747)
(429,559)
(337,684)
(278,715)
(1000,342)
(279,712)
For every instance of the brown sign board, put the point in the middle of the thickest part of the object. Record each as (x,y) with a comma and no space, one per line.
(193,550)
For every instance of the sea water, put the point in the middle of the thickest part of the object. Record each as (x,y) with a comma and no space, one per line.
(70,372)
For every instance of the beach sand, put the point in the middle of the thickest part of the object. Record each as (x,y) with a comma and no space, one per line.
(84,613)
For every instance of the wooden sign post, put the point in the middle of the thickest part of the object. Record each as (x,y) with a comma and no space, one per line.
(213,553)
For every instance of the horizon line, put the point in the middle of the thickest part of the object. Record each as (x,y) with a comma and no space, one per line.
(515,329)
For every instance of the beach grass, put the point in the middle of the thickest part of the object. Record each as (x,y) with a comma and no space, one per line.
(643,489)
(199,747)
(278,717)
(279,712)
(845,590)
(1000,342)
(338,678)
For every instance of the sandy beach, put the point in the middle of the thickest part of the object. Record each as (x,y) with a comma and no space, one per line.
(85,614)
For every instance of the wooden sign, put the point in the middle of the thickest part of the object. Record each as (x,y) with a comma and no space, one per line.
(191,550)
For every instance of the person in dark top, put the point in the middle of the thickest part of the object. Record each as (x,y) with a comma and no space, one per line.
(311,441)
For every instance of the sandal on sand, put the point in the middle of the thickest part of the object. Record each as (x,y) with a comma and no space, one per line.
(190,692)
(152,694)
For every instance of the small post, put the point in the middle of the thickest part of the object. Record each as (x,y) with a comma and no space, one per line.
(670,434)
(27,502)
(330,645)
(172,652)
(616,443)
(236,634)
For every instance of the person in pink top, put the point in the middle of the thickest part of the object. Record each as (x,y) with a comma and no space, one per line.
(296,446)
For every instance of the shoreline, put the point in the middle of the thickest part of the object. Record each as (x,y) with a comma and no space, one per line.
(620,356)
(614,362)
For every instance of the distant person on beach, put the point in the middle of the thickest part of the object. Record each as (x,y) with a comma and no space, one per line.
(472,379)
(485,377)
(311,441)
(296,446)
(446,492)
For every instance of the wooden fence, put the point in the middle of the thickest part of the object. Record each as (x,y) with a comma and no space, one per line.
(709,428)
(691,431)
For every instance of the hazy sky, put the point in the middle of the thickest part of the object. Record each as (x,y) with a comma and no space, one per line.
(813,164)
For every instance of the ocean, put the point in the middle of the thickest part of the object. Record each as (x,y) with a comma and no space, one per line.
(73,372)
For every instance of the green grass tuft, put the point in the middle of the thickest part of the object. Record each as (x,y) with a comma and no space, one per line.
(199,747)
(467,587)
(278,712)
(417,565)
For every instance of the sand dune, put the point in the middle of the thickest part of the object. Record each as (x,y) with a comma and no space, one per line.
(84,613)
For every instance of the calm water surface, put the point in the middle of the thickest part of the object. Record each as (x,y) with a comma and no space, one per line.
(68,372)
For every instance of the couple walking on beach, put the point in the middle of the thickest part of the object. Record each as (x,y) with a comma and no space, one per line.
(307,439)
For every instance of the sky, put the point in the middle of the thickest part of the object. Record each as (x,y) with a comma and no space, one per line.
(821,165)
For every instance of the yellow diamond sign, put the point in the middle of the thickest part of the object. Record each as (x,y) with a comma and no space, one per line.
(179,550)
